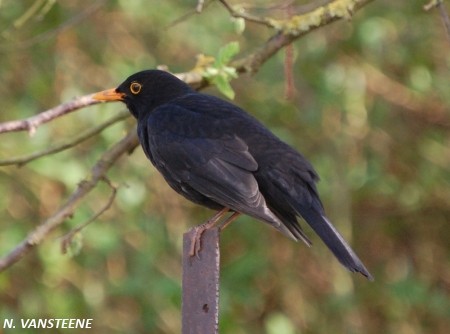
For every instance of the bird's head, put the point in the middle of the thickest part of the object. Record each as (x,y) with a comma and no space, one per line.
(142,92)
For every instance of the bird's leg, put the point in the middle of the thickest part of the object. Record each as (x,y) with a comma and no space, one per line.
(230,219)
(198,230)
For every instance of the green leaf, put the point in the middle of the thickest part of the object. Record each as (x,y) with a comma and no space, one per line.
(219,73)
(226,53)
(223,85)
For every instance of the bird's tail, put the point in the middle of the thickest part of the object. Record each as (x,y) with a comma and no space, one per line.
(334,241)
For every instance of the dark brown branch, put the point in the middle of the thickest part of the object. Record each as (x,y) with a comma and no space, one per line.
(20,161)
(66,210)
(30,124)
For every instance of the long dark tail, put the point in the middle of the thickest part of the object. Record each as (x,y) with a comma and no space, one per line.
(334,241)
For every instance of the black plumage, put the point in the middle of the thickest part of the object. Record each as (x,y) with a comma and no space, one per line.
(217,155)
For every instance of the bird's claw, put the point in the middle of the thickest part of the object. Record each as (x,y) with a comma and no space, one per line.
(196,241)
(198,231)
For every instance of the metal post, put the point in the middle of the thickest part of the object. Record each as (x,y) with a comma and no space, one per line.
(200,305)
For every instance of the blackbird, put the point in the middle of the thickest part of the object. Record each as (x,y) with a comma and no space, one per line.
(217,155)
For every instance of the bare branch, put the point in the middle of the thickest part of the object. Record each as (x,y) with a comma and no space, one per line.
(296,27)
(20,161)
(300,24)
(66,210)
(200,7)
(268,22)
(67,238)
(30,124)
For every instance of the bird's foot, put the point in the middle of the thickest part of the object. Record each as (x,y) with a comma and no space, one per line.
(196,240)
(198,231)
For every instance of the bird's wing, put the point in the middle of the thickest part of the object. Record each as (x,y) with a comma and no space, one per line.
(220,169)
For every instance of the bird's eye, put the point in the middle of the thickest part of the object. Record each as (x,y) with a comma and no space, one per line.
(135,87)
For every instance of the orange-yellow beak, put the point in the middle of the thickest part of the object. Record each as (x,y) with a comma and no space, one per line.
(109,95)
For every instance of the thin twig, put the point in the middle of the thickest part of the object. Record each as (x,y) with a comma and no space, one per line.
(188,14)
(30,124)
(29,13)
(20,161)
(445,18)
(248,17)
(89,10)
(443,12)
(301,26)
(67,209)
(68,237)
(432,4)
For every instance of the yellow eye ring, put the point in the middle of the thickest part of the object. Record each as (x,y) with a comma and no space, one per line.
(135,87)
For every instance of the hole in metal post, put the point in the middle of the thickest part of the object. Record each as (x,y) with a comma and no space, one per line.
(205,308)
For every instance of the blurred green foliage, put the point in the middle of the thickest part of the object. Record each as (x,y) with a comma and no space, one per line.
(371,112)
(220,73)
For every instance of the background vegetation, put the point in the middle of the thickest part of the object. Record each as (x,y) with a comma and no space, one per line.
(370,110)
